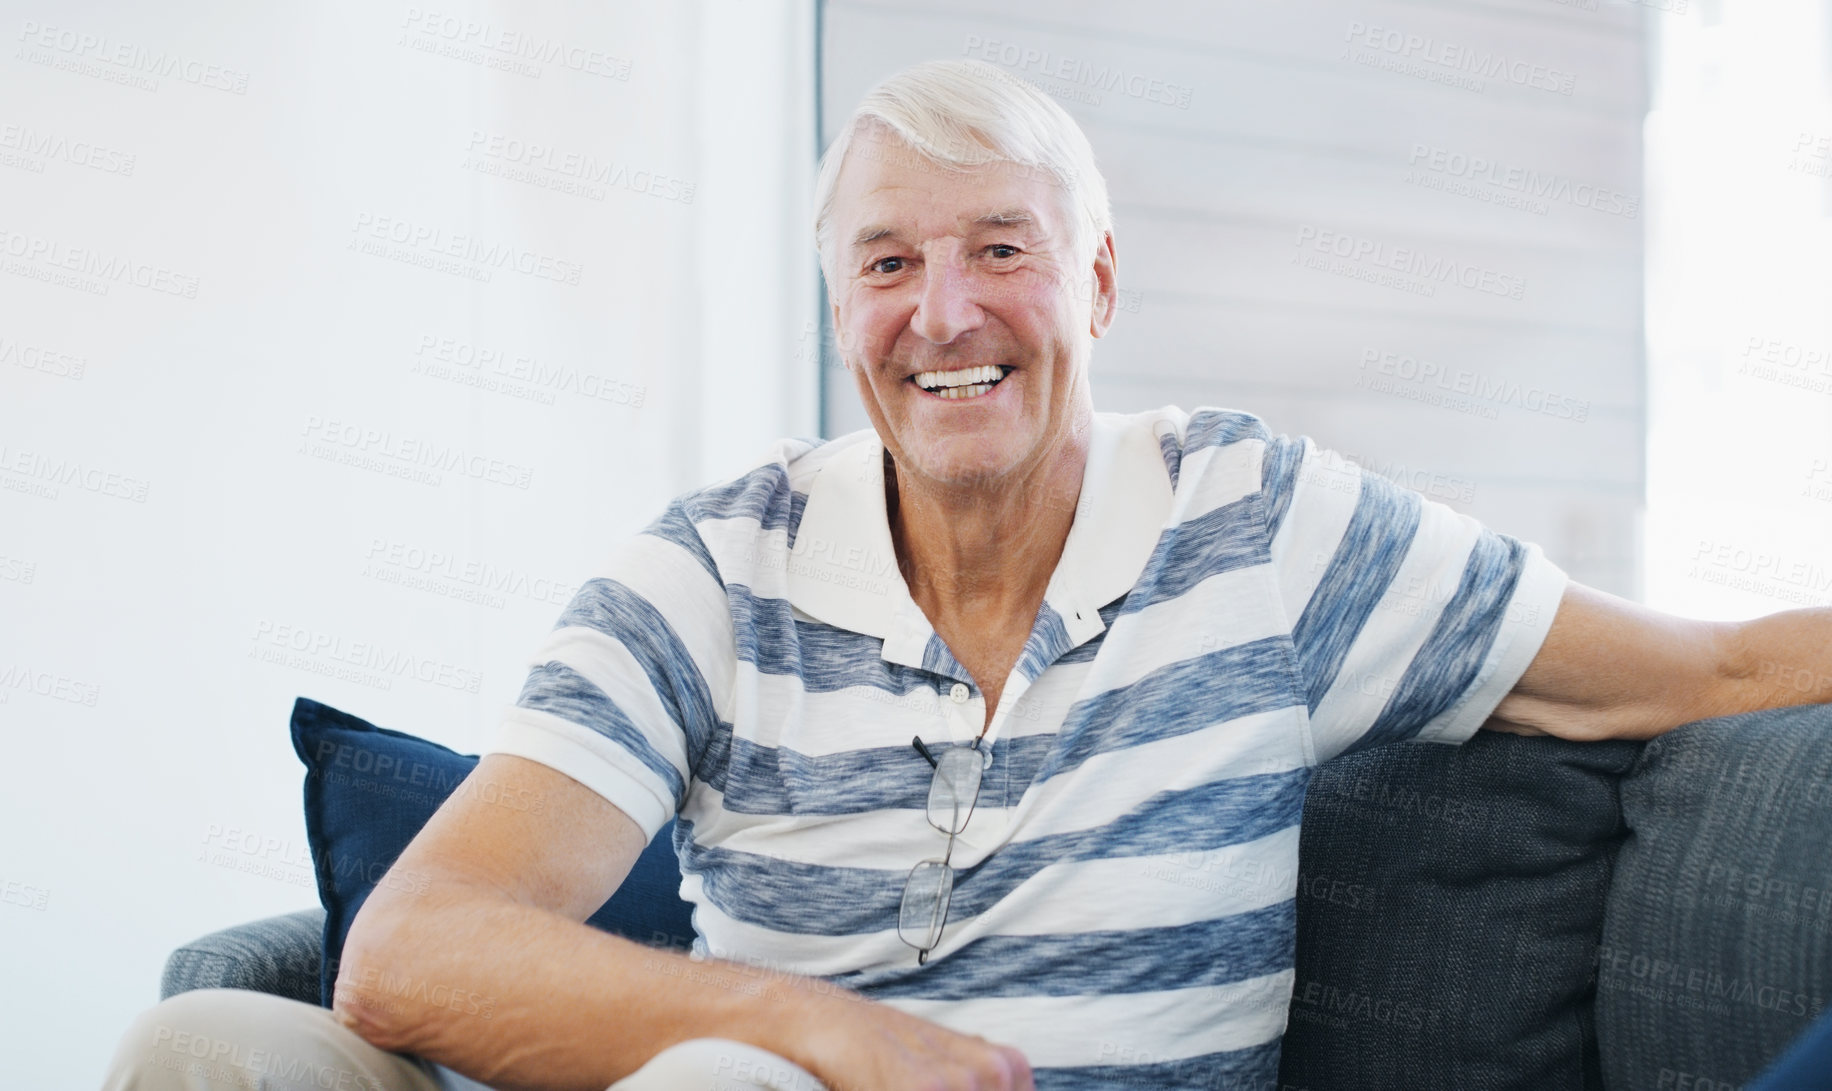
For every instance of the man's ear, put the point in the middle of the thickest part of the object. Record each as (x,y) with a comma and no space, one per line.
(1106,288)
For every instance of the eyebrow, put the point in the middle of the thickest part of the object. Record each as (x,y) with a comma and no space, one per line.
(1015,216)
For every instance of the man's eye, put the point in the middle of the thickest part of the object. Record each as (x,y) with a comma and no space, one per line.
(1009,251)
(879,265)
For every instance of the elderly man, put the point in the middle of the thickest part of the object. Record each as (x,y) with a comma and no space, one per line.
(930,700)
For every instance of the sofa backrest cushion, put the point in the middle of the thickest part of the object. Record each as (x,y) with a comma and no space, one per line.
(1717,949)
(1450,899)
(369,790)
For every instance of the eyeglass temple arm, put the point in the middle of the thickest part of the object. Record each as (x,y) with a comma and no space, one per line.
(924,751)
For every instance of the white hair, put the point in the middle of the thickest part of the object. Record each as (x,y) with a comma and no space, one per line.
(958,115)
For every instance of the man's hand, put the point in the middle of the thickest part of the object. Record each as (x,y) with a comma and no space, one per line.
(853,1044)
(1611,669)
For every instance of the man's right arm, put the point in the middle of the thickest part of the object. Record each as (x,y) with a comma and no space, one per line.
(478,959)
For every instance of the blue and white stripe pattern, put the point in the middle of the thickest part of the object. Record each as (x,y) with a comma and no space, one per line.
(1231,608)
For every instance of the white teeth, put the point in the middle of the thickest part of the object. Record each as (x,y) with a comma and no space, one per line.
(965,377)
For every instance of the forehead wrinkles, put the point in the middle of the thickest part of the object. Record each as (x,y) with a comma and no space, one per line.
(884,196)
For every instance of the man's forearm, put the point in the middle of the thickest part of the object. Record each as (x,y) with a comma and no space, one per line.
(1612,669)
(1783,659)
(522,998)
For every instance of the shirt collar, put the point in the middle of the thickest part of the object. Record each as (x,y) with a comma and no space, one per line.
(843,568)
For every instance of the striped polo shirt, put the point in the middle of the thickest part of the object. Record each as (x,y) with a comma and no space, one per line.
(1230,609)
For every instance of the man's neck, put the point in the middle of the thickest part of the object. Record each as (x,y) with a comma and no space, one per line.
(986,555)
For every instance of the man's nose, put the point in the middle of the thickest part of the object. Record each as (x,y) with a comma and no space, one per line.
(946,308)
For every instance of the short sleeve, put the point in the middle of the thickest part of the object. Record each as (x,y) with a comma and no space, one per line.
(1410,621)
(625,693)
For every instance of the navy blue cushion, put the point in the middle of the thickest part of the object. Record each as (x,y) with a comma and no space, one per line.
(1450,899)
(368,790)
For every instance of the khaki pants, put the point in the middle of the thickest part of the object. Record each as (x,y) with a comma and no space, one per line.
(237,1040)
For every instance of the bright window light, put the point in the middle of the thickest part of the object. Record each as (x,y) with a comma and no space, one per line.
(1739,309)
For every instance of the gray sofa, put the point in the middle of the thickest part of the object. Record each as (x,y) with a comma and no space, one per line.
(1512,913)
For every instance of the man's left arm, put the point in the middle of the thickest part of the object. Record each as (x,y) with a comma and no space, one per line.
(1612,669)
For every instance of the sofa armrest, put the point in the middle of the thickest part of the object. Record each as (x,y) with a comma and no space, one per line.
(1714,953)
(278,955)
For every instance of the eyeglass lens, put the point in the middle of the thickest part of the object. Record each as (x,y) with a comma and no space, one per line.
(925,903)
(953,791)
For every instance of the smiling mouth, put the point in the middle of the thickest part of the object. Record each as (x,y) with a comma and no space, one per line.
(967,382)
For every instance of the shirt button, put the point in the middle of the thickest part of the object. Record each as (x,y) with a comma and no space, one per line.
(958,693)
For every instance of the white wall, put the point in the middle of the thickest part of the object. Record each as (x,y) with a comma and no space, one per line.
(1272,128)
(177,516)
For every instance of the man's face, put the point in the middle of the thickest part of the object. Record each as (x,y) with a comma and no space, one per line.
(938,272)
